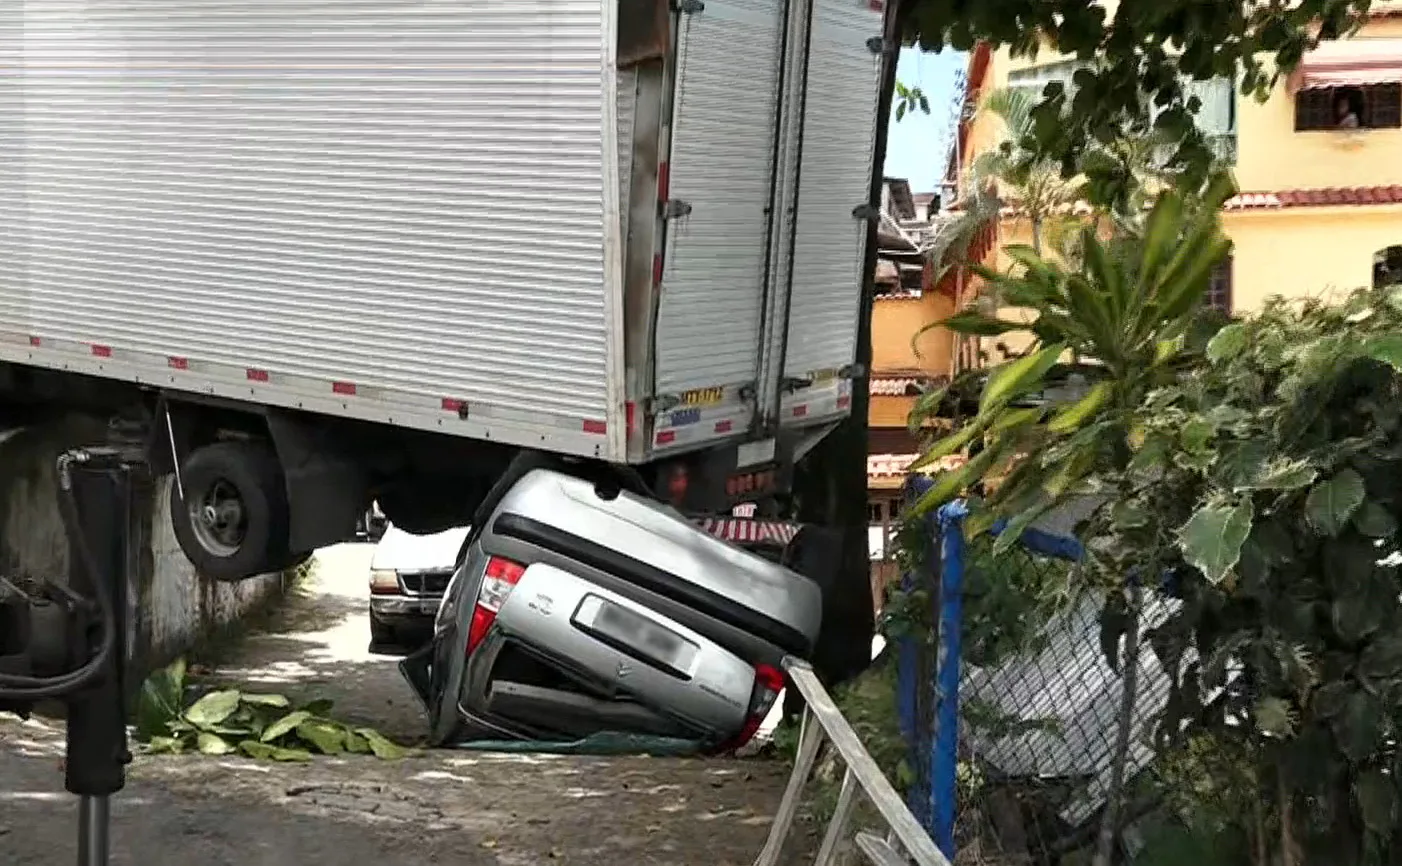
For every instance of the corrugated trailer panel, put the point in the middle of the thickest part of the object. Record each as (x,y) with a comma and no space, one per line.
(403,198)
(839,136)
(728,64)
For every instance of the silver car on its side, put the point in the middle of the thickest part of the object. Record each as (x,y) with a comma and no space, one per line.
(577,610)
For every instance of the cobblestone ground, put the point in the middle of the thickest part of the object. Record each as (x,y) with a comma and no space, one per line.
(438,807)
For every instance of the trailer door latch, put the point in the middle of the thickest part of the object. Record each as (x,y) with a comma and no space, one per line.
(878,44)
(688,7)
(675,209)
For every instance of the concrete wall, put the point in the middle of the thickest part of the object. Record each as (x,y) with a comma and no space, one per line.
(169,606)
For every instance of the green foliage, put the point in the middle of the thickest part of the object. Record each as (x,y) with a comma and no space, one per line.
(263,726)
(1131,306)
(1142,55)
(1260,464)
(910,99)
(1008,601)
(1288,497)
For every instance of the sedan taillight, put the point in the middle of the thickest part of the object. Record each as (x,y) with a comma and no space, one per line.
(769,682)
(500,578)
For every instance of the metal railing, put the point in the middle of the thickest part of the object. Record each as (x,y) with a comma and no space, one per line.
(905,841)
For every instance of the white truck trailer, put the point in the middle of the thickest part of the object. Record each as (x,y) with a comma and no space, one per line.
(336,251)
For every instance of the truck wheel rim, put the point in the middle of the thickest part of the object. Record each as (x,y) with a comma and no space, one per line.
(218,519)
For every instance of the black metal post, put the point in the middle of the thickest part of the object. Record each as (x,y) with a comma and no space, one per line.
(99,482)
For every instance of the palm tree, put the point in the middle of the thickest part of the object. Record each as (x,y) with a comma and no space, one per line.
(1011,171)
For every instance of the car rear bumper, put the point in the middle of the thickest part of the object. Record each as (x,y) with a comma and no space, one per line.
(707,686)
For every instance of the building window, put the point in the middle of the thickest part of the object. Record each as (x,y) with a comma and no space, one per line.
(1374,106)
(1219,290)
(1387,267)
(883,519)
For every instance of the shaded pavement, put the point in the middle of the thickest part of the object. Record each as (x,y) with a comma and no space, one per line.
(439,806)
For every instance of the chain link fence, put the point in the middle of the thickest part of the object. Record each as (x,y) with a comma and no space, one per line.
(1013,732)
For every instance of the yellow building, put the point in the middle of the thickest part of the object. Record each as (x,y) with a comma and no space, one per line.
(1320,207)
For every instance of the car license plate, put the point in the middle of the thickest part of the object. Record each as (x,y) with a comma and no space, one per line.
(636,631)
(428,607)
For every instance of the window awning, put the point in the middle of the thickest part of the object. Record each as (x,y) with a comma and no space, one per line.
(1350,63)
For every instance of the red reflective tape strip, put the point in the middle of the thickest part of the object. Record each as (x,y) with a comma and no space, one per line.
(346,388)
(176,363)
(657,270)
(256,375)
(101,351)
(724,426)
(598,428)
(844,402)
(631,409)
(453,404)
(664,181)
(665,437)
(800,410)
(33,341)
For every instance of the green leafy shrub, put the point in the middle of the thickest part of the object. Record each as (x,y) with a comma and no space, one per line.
(264,726)
(1260,464)
(1276,476)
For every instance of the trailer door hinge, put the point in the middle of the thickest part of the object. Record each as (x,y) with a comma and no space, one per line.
(878,45)
(675,209)
(864,211)
(852,371)
(688,7)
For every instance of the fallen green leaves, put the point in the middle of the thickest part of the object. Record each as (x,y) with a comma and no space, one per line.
(262,726)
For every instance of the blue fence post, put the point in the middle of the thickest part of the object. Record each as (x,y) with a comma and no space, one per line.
(913,676)
(944,757)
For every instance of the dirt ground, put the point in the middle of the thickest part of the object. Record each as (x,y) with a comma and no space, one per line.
(445,807)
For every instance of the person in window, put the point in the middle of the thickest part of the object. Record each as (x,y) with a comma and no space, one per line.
(1344,115)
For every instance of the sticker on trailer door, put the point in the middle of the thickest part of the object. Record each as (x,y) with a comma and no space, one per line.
(684,417)
(702,396)
(873,5)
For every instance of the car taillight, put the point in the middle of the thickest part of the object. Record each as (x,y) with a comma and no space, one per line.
(769,682)
(500,577)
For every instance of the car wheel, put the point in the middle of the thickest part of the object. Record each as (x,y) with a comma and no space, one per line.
(381,633)
(232,520)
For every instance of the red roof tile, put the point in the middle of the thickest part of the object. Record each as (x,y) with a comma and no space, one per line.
(1331,196)
(887,466)
(894,386)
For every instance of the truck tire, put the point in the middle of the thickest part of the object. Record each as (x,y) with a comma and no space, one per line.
(232,522)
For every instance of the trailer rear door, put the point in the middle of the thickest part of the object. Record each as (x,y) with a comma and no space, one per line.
(839,140)
(719,189)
